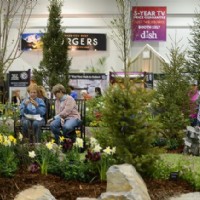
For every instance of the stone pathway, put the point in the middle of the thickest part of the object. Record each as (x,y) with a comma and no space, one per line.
(189,196)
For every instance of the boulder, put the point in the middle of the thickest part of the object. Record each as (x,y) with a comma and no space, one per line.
(124,183)
(37,192)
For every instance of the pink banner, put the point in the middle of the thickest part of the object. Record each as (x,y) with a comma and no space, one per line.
(149,23)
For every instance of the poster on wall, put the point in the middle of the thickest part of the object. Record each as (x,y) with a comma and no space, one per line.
(88,81)
(76,41)
(136,78)
(149,23)
(31,41)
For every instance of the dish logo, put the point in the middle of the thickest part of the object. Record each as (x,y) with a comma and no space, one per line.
(149,35)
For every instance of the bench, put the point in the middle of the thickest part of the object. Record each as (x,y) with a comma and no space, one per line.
(51,113)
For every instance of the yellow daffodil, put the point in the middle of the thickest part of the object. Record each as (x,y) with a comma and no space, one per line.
(11,138)
(97,148)
(107,150)
(93,141)
(79,142)
(20,137)
(49,145)
(62,138)
(78,133)
(52,141)
(1,139)
(113,150)
(31,154)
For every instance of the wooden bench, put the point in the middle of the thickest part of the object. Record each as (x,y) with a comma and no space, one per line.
(51,113)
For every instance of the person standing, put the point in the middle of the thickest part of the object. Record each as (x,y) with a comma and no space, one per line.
(194,95)
(16,100)
(73,93)
(32,106)
(43,95)
(85,95)
(67,116)
(98,92)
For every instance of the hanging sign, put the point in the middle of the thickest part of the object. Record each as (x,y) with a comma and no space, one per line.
(19,78)
(90,76)
(148,23)
(76,41)
(86,41)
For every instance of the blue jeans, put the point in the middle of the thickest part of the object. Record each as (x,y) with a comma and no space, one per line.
(67,128)
(35,125)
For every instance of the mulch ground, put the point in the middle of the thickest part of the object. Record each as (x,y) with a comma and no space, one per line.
(70,190)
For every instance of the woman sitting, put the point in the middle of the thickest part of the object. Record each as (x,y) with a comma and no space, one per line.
(29,108)
(67,116)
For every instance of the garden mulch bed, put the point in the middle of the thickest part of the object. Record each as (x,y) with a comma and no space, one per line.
(70,190)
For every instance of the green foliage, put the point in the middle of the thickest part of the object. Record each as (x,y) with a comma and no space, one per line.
(94,108)
(8,158)
(46,136)
(54,67)
(5,129)
(167,143)
(101,134)
(172,100)
(193,62)
(145,164)
(8,111)
(162,170)
(76,170)
(187,166)
(46,155)
(21,150)
(129,121)
(100,159)
(8,163)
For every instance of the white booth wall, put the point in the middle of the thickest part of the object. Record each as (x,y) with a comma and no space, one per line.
(93,16)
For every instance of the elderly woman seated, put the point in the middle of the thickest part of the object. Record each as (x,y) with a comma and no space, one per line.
(31,107)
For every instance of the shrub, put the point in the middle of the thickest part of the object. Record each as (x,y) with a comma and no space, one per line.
(131,124)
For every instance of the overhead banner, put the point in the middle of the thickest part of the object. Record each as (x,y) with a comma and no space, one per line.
(76,41)
(149,23)
(89,76)
(19,78)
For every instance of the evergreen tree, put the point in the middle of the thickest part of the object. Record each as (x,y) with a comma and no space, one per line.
(54,67)
(131,125)
(193,63)
(125,114)
(172,96)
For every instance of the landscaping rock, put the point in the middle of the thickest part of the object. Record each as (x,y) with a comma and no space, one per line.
(123,182)
(192,141)
(37,192)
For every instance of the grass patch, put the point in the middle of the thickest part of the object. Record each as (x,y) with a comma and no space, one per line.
(187,166)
